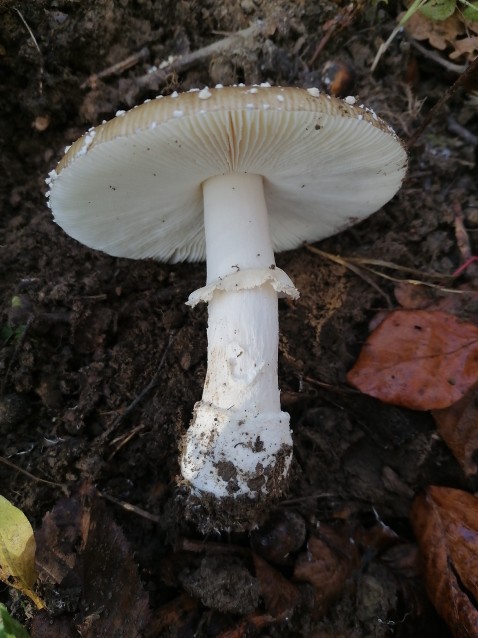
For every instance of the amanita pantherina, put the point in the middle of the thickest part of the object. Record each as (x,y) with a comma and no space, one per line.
(231,175)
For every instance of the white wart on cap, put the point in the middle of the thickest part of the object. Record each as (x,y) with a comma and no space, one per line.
(230,175)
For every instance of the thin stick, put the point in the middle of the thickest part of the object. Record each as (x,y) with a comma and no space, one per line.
(123,440)
(34,40)
(462,79)
(32,476)
(461,131)
(158,77)
(360,261)
(343,262)
(363,263)
(130,508)
(435,57)
(116,69)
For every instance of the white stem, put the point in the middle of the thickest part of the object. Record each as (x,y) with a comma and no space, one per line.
(239,441)
(236,225)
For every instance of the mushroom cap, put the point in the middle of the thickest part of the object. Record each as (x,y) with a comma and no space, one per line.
(131,187)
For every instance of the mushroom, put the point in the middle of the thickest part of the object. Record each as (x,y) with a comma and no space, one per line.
(231,175)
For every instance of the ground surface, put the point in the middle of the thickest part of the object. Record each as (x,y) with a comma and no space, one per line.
(83,333)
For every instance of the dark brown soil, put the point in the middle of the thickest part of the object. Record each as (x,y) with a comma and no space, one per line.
(83,334)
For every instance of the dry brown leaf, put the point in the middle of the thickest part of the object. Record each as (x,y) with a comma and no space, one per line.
(248,627)
(418,359)
(440,33)
(451,33)
(457,425)
(178,617)
(279,595)
(465,46)
(283,532)
(84,554)
(445,522)
(328,562)
(463,305)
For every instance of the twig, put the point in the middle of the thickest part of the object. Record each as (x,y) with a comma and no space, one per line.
(342,20)
(123,440)
(364,263)
(211,547)
(463,242)
(158,76)
(32,476)
(462,239)
(459,271)
(130,508)
(461,131)
(34,40)
(462,79)
(369,261)
(116,69)
(329,386)
(435,57)
(344,262)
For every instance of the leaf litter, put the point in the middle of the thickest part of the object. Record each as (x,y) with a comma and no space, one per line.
(445,522)
(88,572)
(418,359)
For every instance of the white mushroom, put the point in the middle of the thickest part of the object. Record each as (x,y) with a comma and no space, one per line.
(230,175)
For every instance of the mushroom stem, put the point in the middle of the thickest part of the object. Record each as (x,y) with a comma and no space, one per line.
(239,441)
(236,225)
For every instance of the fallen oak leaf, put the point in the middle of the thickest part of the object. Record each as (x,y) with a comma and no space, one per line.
(445,522)
(418,359)
(457,427)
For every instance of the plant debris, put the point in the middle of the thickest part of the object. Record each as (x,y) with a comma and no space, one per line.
(88,570)
(422,360)
(446,525)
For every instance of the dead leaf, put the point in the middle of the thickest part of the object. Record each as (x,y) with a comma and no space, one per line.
(249,626)
(284,532)
(465,45)
(222,583)
(280,596)
(17,551)
(44,627)
(179,617)
(463,305)
(457,425)
(445,522)
(84,554)
(453,34)
(329,561)
(422,360)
